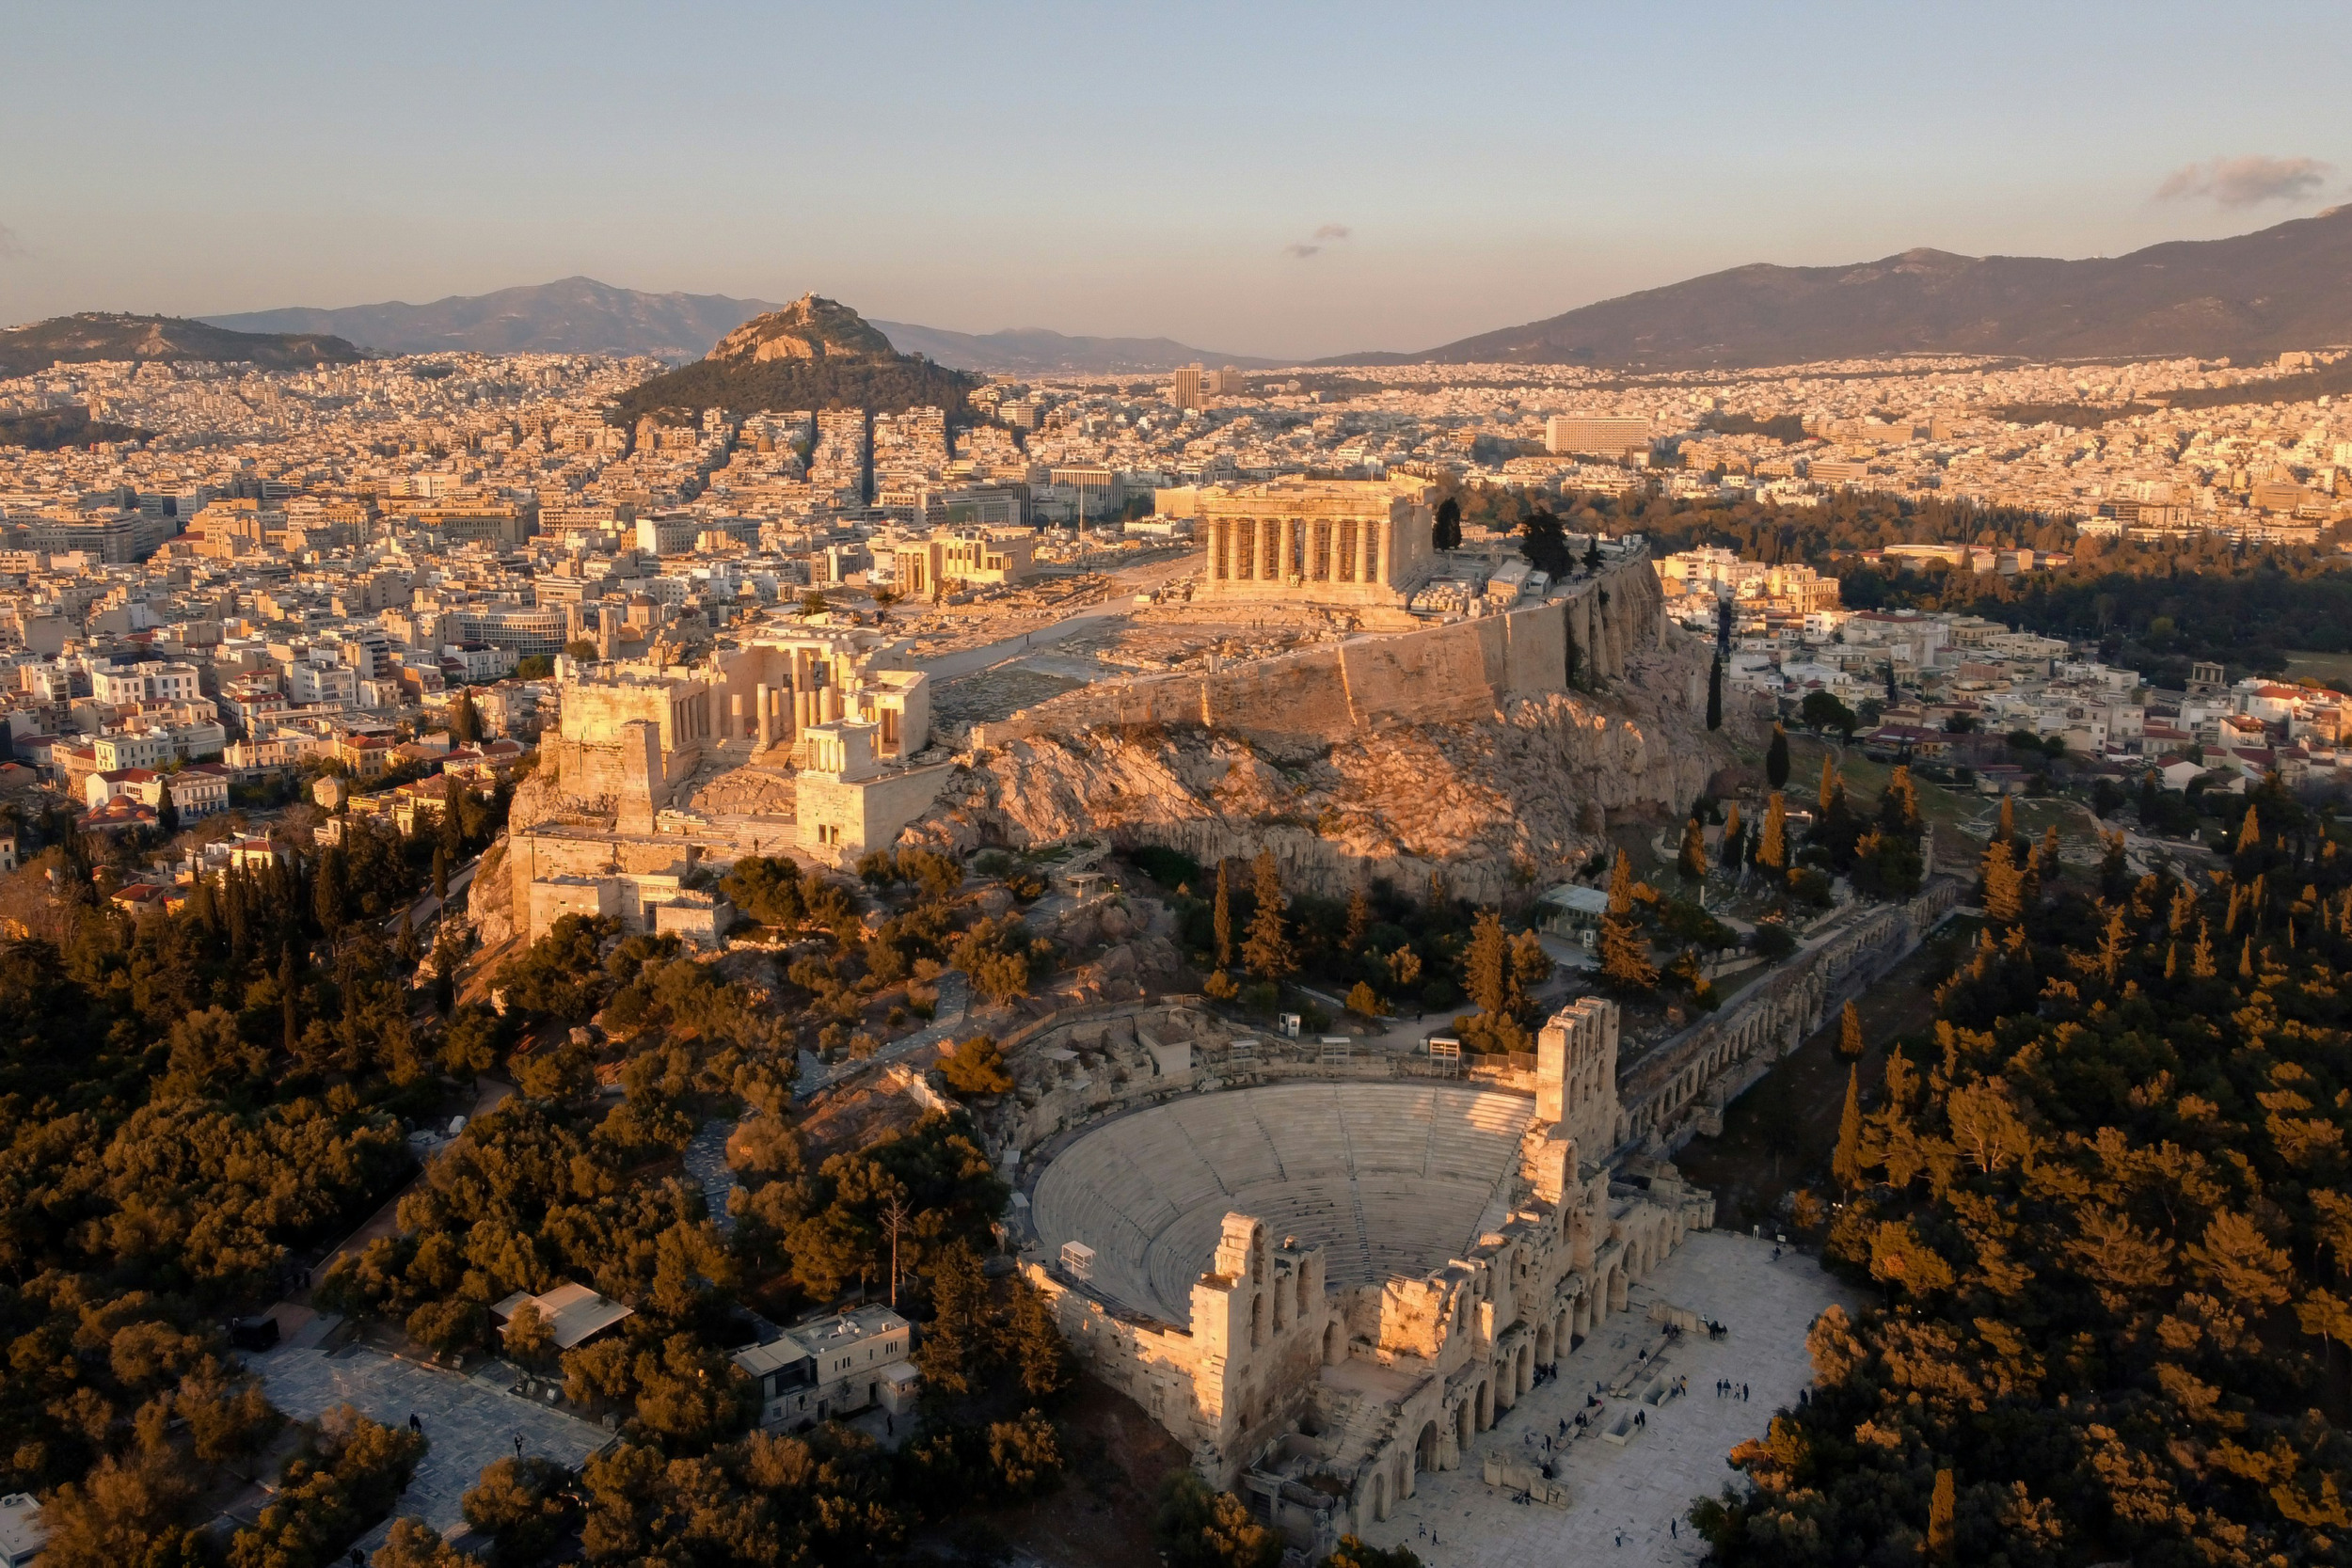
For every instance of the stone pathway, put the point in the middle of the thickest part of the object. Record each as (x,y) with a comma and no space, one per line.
(1628,1505)
(468,1422)
(955,1002)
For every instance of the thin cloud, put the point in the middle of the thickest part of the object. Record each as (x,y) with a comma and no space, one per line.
(2247,181)
(10,247)
(1315,243)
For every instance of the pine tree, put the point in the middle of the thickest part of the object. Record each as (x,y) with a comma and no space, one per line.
(1776,760)
(1850,1033)
(1771,850)
(1487,968)
(1267,951)
(1693,861)
(1715,696)
(1940,1509)
(1846,1163)
(1358,920)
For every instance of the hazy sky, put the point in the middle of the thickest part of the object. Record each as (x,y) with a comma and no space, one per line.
(1255,179)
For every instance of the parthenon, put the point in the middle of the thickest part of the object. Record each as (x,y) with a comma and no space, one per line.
(1336,541)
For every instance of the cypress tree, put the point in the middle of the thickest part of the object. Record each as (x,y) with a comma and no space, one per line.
(1850,1033)
(1267,951)
(1488,965)
(1846,1163)
(1734,839)
(1776,760)
(1359,919)
(2004,885)
(1771,850)
(1221,920)
(1692,862)
(1624,954)
(1715,695)
(326,891)
(288,982)
(1829,786)
(2249,833)
(1940,1509)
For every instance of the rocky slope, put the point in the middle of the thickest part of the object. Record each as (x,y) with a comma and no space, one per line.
(814,353)
(1495,805)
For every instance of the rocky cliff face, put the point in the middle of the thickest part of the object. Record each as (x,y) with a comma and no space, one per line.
(1496,804)
(811,327)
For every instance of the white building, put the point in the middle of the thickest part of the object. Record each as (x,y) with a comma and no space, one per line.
(834,1366)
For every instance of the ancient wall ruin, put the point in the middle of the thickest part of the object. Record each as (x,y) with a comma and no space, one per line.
(1681,1088)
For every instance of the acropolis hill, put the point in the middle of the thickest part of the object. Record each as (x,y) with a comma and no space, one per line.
(1486,746)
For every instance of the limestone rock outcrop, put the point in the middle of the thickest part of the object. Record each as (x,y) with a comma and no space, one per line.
(1493,805)
(811,327)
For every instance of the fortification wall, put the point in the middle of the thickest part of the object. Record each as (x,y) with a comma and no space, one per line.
(1451,673)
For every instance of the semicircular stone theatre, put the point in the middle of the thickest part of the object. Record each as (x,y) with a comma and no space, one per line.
(1327,1286)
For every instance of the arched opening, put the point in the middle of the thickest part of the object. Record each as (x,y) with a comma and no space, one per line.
(1506,1385)
(1561,1342)
(1426,1447)
(1616,1289)
(1578,1321)
(1465,1419)
(1379,1496)
(1334,1343)
(1526,1377)
(1302,1293)
(1256,1318)
(1543,1343)
(1485,1404)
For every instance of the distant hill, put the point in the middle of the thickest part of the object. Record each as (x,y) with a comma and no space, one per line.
(48,429)
(1034,350)
(580,315)
(573,315)
(814,353)
(2251,296)
(94,336)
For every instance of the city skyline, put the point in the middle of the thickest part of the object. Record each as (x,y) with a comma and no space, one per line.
(1288,187)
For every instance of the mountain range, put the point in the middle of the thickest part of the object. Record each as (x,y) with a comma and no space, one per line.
(2250,296)
(2247,296)
(580,315)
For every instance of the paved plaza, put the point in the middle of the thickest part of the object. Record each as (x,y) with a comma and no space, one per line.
(1636,1490)
(467,1422)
